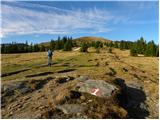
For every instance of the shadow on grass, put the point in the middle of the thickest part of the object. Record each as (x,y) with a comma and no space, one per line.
(15,72)
(66,70)
(40,74)
(131,99)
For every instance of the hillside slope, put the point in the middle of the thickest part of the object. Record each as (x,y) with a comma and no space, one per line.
(91,39)
(84,39)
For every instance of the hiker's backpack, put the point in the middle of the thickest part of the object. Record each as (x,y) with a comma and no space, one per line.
(49,53)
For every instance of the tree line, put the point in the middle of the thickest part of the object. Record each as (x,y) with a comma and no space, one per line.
(20,48)
(138,47)
(67,43)
(64,43)
(142,47)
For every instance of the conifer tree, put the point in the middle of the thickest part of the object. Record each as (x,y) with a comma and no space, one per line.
(133,51)
(42,48)
(36,48)
(68,46)
(84,47)
(58,45)
(157,51)
(116,44)
(26,46)
(52,44)
(150,49)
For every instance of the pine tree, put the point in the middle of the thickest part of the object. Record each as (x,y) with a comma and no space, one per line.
(150,49)
(122,45)
(42,48)
(116,44)
(157,51)
(36,48)
(141,45)
(133,51)
(64,40)
(2,48)
(111,44)
(52,44)
(58,45)
(84,47)
(68,46)
(26,46)
(31,47)
(97,44)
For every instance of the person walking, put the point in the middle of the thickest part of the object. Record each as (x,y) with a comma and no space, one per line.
(50,57)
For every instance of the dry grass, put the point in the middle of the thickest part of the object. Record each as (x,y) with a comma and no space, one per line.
(140,70)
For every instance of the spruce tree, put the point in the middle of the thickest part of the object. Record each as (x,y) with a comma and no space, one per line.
(133,51)
(68,46)
(111,44)
(31,47)
(52,44)
(141,45)
(116,44)
(26,46)
(84,47)
(58,45)
(42,48)
(122,45)
(150,49)
(157,51)
(2,48)
(36,48)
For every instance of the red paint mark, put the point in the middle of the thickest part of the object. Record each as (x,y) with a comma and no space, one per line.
(95,91)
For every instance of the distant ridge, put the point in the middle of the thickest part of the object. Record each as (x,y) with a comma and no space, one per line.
(91,39)
(83,39)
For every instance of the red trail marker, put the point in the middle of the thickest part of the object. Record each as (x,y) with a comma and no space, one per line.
(95,91)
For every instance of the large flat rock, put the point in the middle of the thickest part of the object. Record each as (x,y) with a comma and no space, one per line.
(98,88)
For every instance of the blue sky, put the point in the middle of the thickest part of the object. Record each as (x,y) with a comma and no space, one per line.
(44,20)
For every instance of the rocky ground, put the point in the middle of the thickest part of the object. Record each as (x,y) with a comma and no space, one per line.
(105,86)
(68,97)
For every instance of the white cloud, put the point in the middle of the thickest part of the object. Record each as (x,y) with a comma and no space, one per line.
(19,18)
(25,18)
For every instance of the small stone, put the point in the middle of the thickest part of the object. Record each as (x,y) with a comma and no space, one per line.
(90,100)
(84,103)
(82,98)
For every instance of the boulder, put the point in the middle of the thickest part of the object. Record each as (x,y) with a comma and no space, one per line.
(98,88)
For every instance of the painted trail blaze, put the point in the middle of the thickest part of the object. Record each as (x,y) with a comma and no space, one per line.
(95,91)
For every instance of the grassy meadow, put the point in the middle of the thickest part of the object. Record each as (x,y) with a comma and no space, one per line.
(140,71)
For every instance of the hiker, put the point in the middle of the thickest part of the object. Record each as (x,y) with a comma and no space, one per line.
(49,57)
